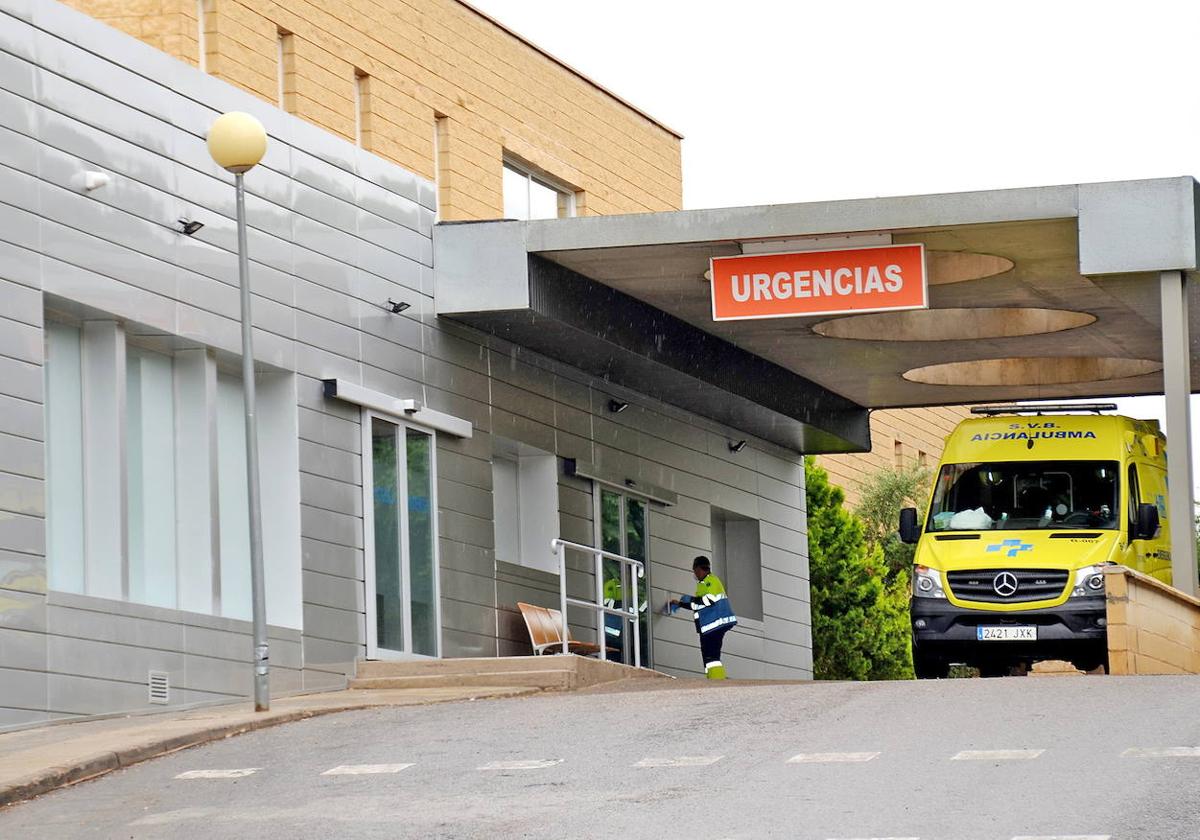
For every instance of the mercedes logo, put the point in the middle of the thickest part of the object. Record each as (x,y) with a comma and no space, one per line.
(1005,584)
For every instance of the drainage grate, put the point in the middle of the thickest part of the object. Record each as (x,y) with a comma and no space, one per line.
(160,687)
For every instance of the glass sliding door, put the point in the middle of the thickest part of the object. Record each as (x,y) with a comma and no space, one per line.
(422,543)
(621,522)
(388,565)
(400,527)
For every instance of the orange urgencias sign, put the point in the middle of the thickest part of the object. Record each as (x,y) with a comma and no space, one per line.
(869,279)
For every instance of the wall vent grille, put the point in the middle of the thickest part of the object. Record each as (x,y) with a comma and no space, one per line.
(160,687)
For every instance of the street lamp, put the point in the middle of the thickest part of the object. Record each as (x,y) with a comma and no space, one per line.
(237,142)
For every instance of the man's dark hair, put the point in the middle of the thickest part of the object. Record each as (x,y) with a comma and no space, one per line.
(702,562)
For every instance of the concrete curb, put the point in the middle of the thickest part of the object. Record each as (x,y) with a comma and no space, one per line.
(105,762)
(98,764)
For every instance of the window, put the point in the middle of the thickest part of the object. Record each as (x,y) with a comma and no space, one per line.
(1135,498)
(737,561)
(525,504)
(898,454)
(528,196)
(64,458)
(150,481)
(1017,495)
(232,499)
(147,500)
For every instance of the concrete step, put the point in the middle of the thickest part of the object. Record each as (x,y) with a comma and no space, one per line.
(547,680)
(477,665)
(557,672)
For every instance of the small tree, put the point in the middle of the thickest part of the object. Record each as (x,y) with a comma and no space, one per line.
(883,494)
(859,618)
(1196,527)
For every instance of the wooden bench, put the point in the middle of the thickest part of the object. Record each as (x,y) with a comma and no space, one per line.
(545,632)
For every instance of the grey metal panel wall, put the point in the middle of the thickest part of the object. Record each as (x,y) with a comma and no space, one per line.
(335,232)
(100,653)
(554,407)
(23,647)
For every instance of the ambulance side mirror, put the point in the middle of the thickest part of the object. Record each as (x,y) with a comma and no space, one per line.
(1147,522)
(910,531)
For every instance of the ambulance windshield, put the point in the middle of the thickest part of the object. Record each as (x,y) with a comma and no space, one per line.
(1022,495)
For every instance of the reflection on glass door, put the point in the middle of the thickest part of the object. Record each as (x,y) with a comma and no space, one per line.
(388,566)
(622,526)
(401,540)
(422,549)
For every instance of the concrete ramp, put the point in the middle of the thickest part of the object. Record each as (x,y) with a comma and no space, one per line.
(549,673)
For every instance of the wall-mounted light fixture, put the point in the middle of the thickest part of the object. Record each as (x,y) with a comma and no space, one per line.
(396,306)
(616,406)
(737,446)
(91,179)
(189,226)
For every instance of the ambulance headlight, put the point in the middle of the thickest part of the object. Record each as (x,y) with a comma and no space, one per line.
(927,583)
(1089,581)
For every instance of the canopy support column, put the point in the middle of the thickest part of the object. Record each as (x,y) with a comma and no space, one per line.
(1177,386)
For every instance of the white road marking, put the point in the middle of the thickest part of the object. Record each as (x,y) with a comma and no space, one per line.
(364,769)
(830,758)
(1164,752)
(530,764)
(219,774)
(996,755)
(681,761)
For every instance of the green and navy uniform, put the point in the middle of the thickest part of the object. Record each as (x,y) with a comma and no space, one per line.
(614,597)
(714,617)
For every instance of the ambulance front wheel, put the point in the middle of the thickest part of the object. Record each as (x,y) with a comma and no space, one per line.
(929,667)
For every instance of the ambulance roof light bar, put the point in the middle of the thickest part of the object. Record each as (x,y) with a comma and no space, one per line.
(992,410)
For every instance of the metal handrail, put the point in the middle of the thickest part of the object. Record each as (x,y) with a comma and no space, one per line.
(628,614)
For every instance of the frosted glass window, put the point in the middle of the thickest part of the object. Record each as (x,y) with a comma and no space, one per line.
(150,454)
(147,501)
(64,459)
(232,499)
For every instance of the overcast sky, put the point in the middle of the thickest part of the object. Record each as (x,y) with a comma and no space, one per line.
(804,101)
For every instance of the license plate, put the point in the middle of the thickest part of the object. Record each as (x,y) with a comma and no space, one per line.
(1006,634)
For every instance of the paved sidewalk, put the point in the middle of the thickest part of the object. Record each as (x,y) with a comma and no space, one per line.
(35,761)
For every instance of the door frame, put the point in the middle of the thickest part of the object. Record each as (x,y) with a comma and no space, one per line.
(368,518)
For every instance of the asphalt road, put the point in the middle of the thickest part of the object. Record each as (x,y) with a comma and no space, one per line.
(1082,757)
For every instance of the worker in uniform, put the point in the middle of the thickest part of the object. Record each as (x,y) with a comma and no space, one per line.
(712,613)
(614,598)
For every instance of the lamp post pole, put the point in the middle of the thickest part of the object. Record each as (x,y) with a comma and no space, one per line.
(237,142)
(262,687)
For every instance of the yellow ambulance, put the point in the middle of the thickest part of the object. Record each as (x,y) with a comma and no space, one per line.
(1027,507)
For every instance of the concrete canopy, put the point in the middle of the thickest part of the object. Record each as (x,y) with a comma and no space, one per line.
(1046,292)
